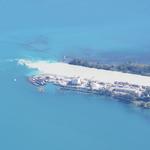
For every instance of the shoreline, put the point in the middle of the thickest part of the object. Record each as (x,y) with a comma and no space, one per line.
(123,86)
(101,75)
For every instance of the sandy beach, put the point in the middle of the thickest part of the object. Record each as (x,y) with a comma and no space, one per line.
(67,70)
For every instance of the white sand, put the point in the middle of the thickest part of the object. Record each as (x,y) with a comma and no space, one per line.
(63,69)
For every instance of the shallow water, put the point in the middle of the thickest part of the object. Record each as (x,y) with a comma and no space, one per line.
(59,119)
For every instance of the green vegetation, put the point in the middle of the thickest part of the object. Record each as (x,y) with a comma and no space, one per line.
(129,67)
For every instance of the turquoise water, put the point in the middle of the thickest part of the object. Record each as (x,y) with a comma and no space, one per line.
(106,30)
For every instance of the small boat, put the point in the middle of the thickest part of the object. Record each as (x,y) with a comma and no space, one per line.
(37,81)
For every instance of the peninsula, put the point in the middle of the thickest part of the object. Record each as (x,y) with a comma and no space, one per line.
(130,88)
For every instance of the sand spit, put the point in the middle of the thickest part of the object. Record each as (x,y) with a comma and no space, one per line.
(67,70)
(126,87)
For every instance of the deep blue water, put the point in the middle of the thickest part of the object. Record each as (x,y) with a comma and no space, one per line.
(111,31)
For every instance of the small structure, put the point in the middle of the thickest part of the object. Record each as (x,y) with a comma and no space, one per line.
(76,81)
(95,86)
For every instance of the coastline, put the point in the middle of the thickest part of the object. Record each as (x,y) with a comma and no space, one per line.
(68,70)
(123,86)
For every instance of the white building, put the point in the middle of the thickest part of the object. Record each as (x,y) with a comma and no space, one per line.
(75,81)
